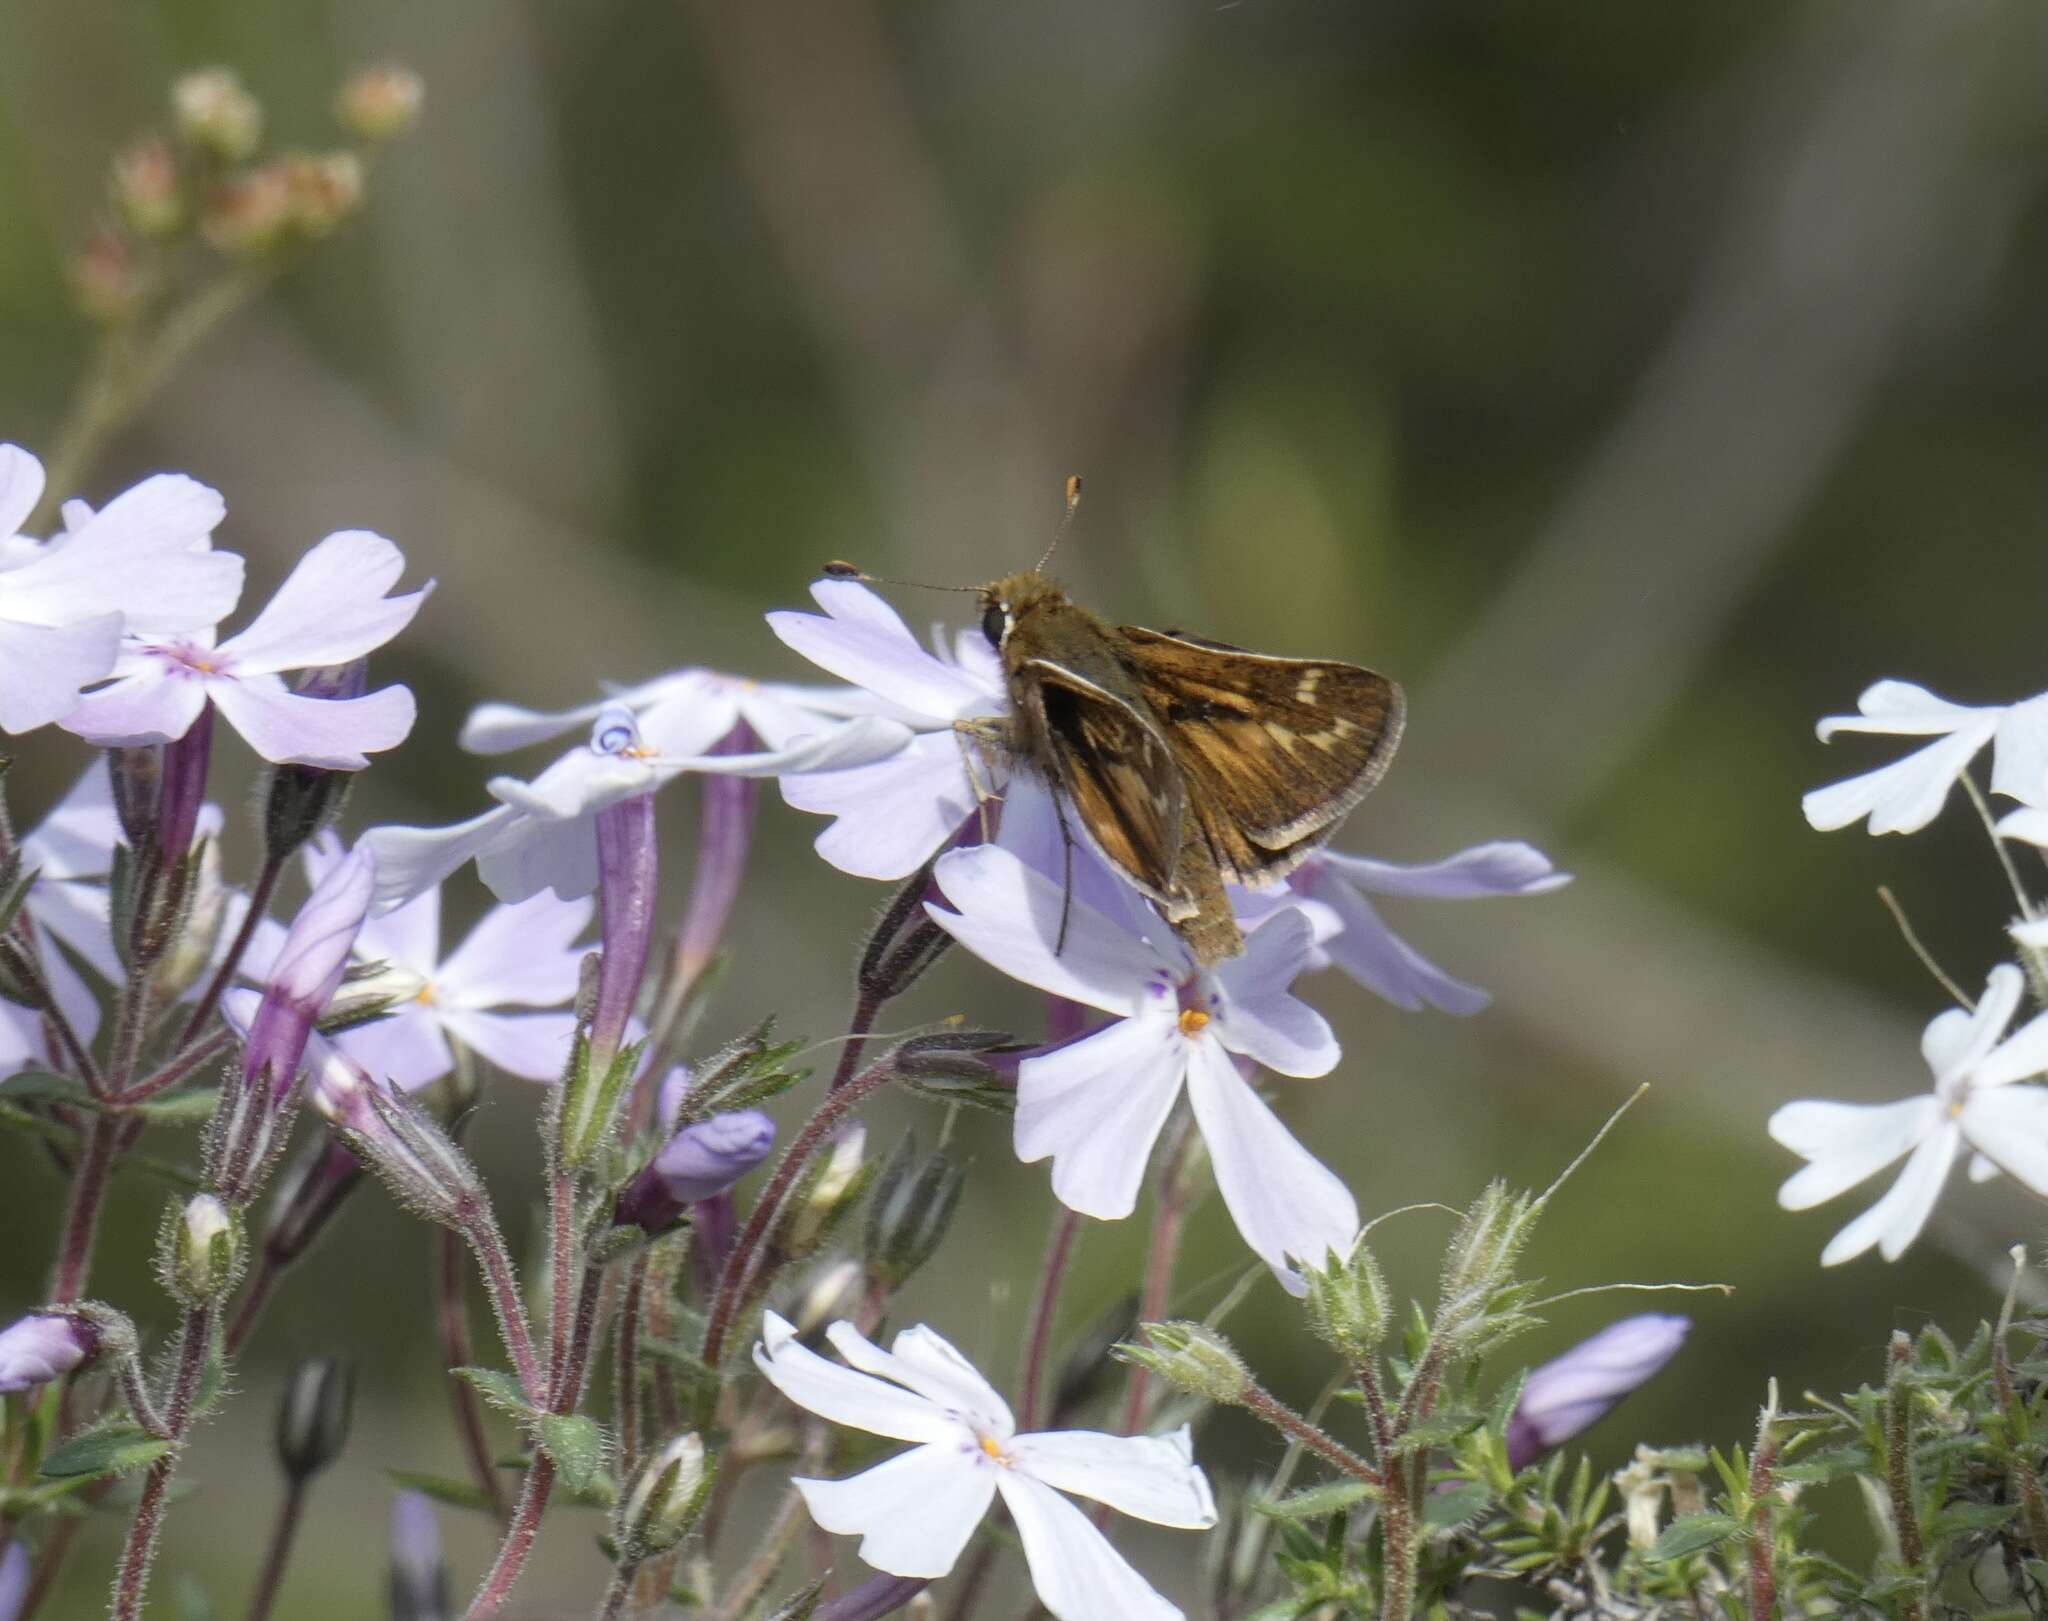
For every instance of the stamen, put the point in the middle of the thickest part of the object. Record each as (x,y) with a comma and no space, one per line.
(1193,1021)
(994,1449)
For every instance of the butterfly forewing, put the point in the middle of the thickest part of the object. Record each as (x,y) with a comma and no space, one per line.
(1275,750)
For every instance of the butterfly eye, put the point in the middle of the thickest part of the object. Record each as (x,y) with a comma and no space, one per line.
(995,624)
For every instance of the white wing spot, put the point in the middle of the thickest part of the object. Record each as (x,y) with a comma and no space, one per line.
(1305,693)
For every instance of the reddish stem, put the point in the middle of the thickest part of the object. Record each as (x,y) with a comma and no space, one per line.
(452,1310)
(520,1536)
(140,1547)
(82,1212)
(1038,1343)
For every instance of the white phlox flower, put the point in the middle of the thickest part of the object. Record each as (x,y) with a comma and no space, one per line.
(542,834)
(1974,1104)
(145,561)
(915,1512)
(1097,1105)
(1350,933)
(890,816)
(1906,795)
(331,609)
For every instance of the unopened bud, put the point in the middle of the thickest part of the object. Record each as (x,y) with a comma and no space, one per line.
(105,278)
(301,801)
(1194,1357)
(663,1500)
(42,1346)
(1575,1391)
(829,1191)
(1347,1303)
(146,189)
(325,188)
(704,1158)
(415,1156)
(136,775)
(419,1588)
(913,1205)
(200,1258)
(827,1295)
(381,103)
(313,1415)
(247,215)
(190,951)
(214,112)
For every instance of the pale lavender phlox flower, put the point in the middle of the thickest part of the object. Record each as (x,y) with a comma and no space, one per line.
(142,563)
(700,1161)
(308,971)
(333,608)
(915,1513)
(1573,1392)
(1974,1104)
(1097,1105)
(16,1574)
(543,834)
(42,1346)
(1352,935)
(1908,794)
(890,817)
(419,1586)
(521,958)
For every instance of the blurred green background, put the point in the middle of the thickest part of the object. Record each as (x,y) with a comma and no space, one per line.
(1635,383)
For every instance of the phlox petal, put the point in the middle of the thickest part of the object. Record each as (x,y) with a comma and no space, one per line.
(77,838)
(1384,963)
(688,721)
(863,640)
(2019,761)
(338,733)
(1901,709)
(1260,1017)
(496,728)
(79,914)
(1149,1477)
(524,955)
(533,1046)
(1287,1204)
(1982,1169)
(2020,1057)
(1504,867)
(1957,1040)
(330,609)
(2031,825)
(843,1396)
(891,814)
(1895,1220)
(1077,1574)
(151,704)
(146,554)
(2008,1125)
(1906,795)
(406,1050)
(1846,1142)
(825,747)
(927,1364)
(43,666)
(534,853)
(581,781)
(1096,1106)
(412,860)
(21,487)
(1011,917)
(912,1514)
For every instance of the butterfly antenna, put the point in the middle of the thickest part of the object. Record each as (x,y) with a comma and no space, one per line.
(1066,523)
(853,571)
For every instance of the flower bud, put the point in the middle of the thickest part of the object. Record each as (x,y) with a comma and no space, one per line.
(215,113)
(308,970)
(146,189)
(312,1189)
(42,1346)
(826,1197)
(313,1415)
(200,1257)
(325,188)
(420,1589)
(1347,1303)
(627,873)
(190,951)
(381,103)
(106,281)
(247,215)
(417,1159)
(963,1066)
(703,1159)
(136,776)
(301,801)
(828,1294)
(1578,1389)
(1194,1357)
(663,1500)
(912,1207)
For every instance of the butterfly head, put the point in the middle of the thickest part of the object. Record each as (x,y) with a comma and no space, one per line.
(1008,602)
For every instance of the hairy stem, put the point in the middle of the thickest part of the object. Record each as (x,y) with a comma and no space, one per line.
(139,1549)
(279,1553)
(502,1285)
(82,1211)
(518,1543)
(1264,1405)
(452,1314)
(1038,1339)
(626,1367)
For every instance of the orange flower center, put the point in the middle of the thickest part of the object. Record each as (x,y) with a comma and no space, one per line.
(1193,1021)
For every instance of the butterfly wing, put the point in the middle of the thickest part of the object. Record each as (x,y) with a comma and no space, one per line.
(1275,750)
(1117,771)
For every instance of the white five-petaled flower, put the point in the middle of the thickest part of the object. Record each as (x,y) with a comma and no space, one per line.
(915,1512)
(890,816)
(330,610)
(143,562)
(494,994)
(1906,795)
(542,834)
(1974,1104)
(1097,1105)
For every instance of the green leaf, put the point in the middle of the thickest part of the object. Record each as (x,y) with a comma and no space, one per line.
(693,1367)
(1317,1501)
(40,1086)
(193,1107)
(1691,1534)
(576,1443)
(1445,1509)
(112,1449)
(443,1489)
(801,1607)
(500,1389)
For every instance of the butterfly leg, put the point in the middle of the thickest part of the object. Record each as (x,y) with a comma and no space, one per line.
(983,741)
